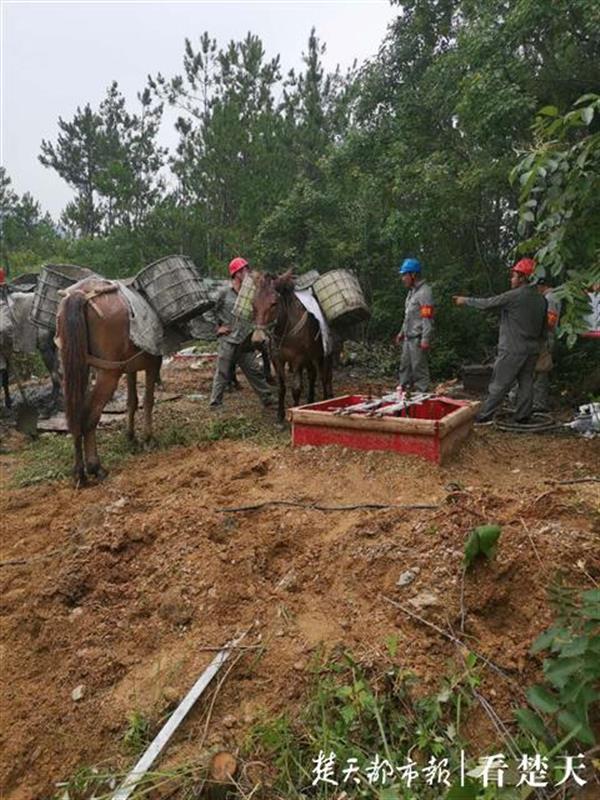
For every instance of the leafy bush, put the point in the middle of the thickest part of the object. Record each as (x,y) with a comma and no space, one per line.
(570,695)
(483,541)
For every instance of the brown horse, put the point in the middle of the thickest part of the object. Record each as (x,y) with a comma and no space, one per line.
(93,331)
(295,337)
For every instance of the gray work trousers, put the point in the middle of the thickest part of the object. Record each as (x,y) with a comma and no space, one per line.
(246,359)
(541,391)
(508,368)
(414,366)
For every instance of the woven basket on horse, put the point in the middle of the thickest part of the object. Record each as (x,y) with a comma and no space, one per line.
(53,279)
(174,289)
(341,298)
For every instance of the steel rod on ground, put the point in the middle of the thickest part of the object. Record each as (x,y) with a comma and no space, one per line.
(157,745)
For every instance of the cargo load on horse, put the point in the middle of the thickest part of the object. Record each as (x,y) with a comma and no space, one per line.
(18,334)
(297,339)
(115,329)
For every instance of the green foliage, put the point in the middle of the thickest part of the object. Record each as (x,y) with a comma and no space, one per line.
(25,233)
(111,160)
(560,203)
(356,713)
(138,733)
(483,541)
(409,155)
(563,705)
(87,783)
(231,428)
(50,458)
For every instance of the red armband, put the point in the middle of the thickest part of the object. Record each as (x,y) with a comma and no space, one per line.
(426,312)
(552,319)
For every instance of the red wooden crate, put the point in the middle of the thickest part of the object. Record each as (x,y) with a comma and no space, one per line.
(433,431)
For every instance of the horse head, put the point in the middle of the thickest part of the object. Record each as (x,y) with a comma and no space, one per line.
(265,303)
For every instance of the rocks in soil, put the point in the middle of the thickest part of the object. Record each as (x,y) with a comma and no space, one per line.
(424,599)
(289,582)
(173,609)
(78,693)
(408,576)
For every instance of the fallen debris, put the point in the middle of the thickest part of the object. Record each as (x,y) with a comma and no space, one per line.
(407,577)
(222,771)
(159,743)
(424,599)
(321,507)
(464,647)
(58,422)
(78,693)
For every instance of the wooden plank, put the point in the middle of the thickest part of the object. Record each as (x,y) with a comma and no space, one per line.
(387,424)
(158,744)
(458,418)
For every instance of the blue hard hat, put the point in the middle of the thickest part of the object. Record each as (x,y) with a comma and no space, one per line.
(410,265)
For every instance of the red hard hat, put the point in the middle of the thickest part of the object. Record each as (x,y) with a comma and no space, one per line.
(526,266)
(236,265)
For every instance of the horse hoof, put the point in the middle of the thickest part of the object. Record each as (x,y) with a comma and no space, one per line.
(133,443)
(79,479)
(98,471)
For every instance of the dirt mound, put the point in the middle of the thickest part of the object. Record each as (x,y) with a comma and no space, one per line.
(126,588)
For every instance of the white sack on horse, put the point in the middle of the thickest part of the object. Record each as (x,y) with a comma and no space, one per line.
(17,331)
(145,328)
(309,301)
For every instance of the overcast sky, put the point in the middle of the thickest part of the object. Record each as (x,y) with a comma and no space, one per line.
(58,55)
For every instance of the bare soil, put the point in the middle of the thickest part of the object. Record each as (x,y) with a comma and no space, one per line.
(123,588)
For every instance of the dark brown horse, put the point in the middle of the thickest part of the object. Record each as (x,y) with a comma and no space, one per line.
(93,331)
(295,337)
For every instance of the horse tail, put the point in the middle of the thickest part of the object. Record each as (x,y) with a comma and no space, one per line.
(73,345)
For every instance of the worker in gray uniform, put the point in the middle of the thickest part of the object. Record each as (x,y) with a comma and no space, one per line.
(417,328)
(541,383)
(522,333)
(234,340)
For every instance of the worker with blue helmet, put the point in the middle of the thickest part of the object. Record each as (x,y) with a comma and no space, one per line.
(417,328)
(410,266)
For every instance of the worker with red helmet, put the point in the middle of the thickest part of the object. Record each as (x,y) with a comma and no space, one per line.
(234,335)
(522,332)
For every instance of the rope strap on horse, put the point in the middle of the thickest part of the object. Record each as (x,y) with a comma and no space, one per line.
(102,363)
(97,289)
(299,325)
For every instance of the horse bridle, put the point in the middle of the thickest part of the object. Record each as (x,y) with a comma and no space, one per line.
(270,328)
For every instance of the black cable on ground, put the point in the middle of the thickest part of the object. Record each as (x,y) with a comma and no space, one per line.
(539,423)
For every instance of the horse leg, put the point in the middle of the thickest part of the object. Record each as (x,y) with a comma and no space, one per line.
(266,361)
(152,374)
(78,468)
(312,379)
(132,404)
(49,355)
(297,376)
(7,397)
(326,377)
(104,388)
(280,366)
